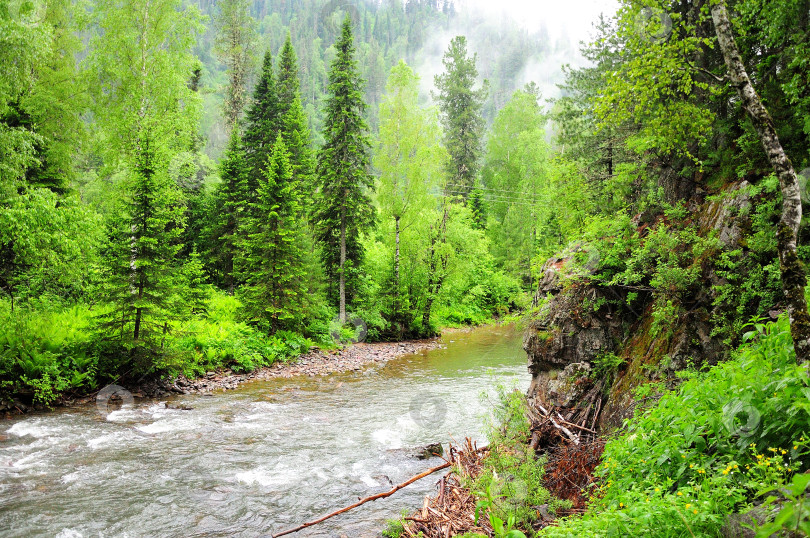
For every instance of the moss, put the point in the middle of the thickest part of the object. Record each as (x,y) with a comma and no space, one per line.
(643,353)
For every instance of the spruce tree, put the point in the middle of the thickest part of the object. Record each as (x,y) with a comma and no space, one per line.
(295,124)
(344,208)
(298,140)
(288,84)
(236,35)
(272,259)
(478,208)
(225,214)
(461,107)
(144,243)
(263,122)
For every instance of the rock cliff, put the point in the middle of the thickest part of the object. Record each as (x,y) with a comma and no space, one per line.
(590,333)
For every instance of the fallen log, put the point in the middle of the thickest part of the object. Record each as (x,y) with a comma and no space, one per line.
(364,501)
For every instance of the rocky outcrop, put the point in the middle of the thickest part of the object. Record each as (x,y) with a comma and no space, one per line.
(583,321)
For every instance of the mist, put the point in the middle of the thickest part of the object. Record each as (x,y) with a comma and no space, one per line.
(552,33)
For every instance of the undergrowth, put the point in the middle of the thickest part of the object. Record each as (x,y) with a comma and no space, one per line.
(48,348)
(714,446)
(510,489)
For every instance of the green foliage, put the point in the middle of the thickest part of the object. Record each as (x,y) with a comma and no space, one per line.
(794,517)
(47,243)
(606,365)
(750,275)
(42,96)
(394,528)
(410,161)
(517,182)
(707,449)
(44,349)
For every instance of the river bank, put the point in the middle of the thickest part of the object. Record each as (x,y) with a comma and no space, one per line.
(315,362)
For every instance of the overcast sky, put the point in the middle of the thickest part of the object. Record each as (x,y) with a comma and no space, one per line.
(573,17)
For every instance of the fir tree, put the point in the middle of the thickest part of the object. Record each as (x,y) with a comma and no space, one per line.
(144,245)
(236,34)
(298,140)
(478,208)
(272,258)
(344,208)
(461,107)
(295,124)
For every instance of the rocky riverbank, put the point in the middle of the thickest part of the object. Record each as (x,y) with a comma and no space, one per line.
(315,362)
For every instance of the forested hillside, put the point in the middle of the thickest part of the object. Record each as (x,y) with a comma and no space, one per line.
(416,31)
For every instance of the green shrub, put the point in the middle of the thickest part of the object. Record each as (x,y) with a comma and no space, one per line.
(510,485)
(44,349)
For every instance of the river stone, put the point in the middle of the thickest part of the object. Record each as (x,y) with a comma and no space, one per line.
(428,451)
(736,525)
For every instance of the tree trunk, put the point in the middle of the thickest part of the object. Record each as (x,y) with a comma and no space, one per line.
(137,332)
(436,270)
(793,276)
(342,291)
(396,270)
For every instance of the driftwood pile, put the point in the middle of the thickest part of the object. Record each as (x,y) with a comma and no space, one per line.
(568,438)
(569,471)
(452,511)
(552,426)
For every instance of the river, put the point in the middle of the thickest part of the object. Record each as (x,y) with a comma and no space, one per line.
(258,459)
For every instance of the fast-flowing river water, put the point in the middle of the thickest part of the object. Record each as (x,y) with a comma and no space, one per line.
(258,459)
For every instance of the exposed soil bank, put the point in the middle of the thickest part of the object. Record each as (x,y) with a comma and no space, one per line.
(315,362)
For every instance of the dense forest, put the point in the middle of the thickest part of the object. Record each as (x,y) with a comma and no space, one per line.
(187,186)
(192,186)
